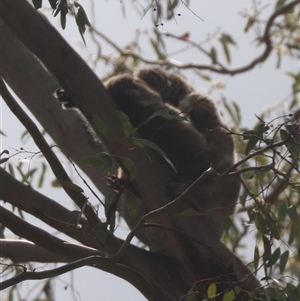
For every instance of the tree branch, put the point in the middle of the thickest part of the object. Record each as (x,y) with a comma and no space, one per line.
(18,250)
(42,238)
(153,291)
(71,251)
(53,161)
(55,215)
(32,83)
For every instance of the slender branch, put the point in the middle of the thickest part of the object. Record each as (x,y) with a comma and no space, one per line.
(92,260)
(45,209)
(72,251)
(52,159)
(42,238)
(55,215)
(154,291)
(20,250)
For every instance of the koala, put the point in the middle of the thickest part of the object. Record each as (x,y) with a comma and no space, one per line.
(184,145)
(201,111)
(192,146)
(218,194)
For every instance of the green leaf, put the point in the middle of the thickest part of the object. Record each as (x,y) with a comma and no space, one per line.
(233,111)
(102,128)
(262,128)
(131,203)
(11,169)
(137,143)
(291,138)
(282,212)
(62,8)
(165,113)
(267,248)
(2,133)
(251,144)
(279,4)
(294,292)
(93,161)
(283,261)
(190,296)
(130,167)
(261,224)
(37,3)
(294,132)
(152,145)
(213,55)
(189,212)
(225,40)
(102,160)
(292,213)
(212,290)
(126,124)
(238,118)
(294,232)
(274,257)
(205,77)
(156,48)
(250,23)
(260,119)
(249,134)
(81,20)
(283,134)
(256,258)
(70,185)
(42,176)
(53,3)
(232,294)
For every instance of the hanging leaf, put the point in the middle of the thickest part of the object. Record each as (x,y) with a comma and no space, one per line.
(250,23)
(274,257)
(251,144)
(130,167)
(232,294)
(279,4)
(283,261)
(126,124)
(53,3)
(37,3)
(213,55)
(102,160)
(293,214)
(212,290)
(102,128)
(81,20)
(131,203)
(155,147)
